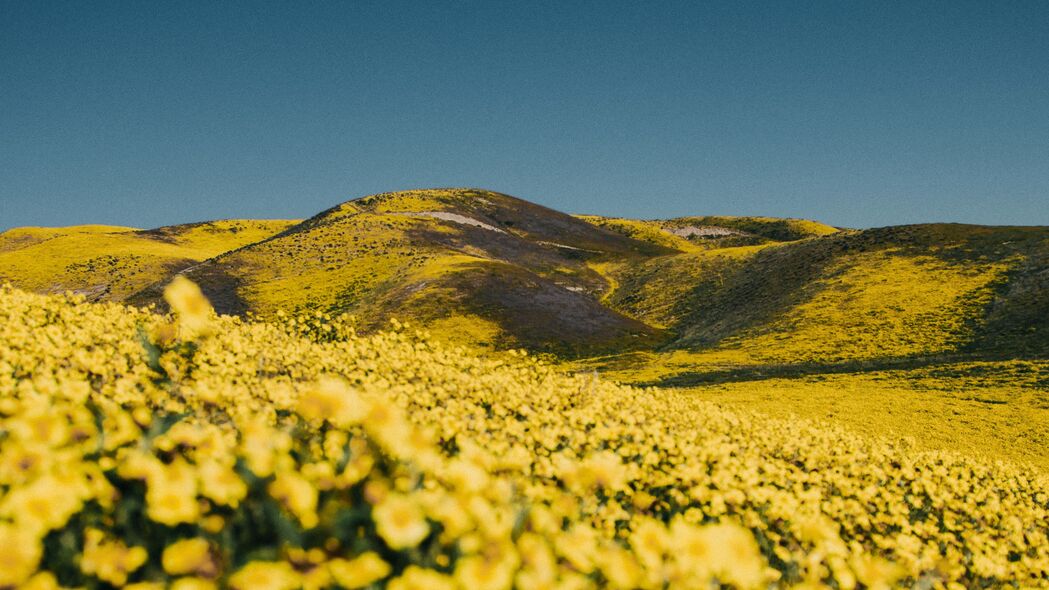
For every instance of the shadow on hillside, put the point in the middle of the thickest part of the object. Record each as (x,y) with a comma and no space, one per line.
(744,373)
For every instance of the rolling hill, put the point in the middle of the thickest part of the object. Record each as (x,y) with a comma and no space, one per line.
(680,297)
(479,266)
(110,263)
(941,329)
(845,301)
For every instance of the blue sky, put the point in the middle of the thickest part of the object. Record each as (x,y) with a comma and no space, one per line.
(858,114)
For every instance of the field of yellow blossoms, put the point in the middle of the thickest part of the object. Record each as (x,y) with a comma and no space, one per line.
(195,451)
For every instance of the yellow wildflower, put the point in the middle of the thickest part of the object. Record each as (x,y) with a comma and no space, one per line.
(193,584)
(110,560)
(400,521)
(221,484)
(20,551)
(189,556)
(332,400)
(875,572)
(265,575)
(40,581)
(45,504)
(483,573)
(171,494)
(363,570)
(417,578)
(298,495)
(190,306)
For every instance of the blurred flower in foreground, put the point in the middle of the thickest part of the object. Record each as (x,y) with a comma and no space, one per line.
(192,309)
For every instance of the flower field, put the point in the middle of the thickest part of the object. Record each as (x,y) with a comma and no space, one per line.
(198,451)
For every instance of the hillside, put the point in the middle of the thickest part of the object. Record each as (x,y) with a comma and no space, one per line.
(484,267)
(689,234)
(874,296)
(109,263)
(700,296)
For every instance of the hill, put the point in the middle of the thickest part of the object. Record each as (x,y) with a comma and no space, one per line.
(879,295)
(481,266)
(110,263)
(689,234)
(701,296)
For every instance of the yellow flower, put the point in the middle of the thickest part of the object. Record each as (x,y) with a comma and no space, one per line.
(193,584)
(539,566)
(606,470)
(735,556)
(189,556)
(620,567)
(45,504)
(298,495)
(466,475)
(875,572)
(511,432)
(20,551)
(262,446)
(40,581)
(265,575)
(171,494)
(221,484)
(362,571)
(481,573)
(332,400)
(387,425)
(110,560)
(400,521)
(417,578)
(649,540)
(190,306)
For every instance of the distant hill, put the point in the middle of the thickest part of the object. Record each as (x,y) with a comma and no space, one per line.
(705,232)
(892,291)
(488,269)
(110,263)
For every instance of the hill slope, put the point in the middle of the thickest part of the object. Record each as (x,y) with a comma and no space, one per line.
(873,296)
(109,263)
(480,266)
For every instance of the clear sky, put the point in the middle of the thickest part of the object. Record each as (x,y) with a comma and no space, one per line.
(854,113)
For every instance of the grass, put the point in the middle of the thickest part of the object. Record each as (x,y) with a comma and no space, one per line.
(646,231)
(750,291)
